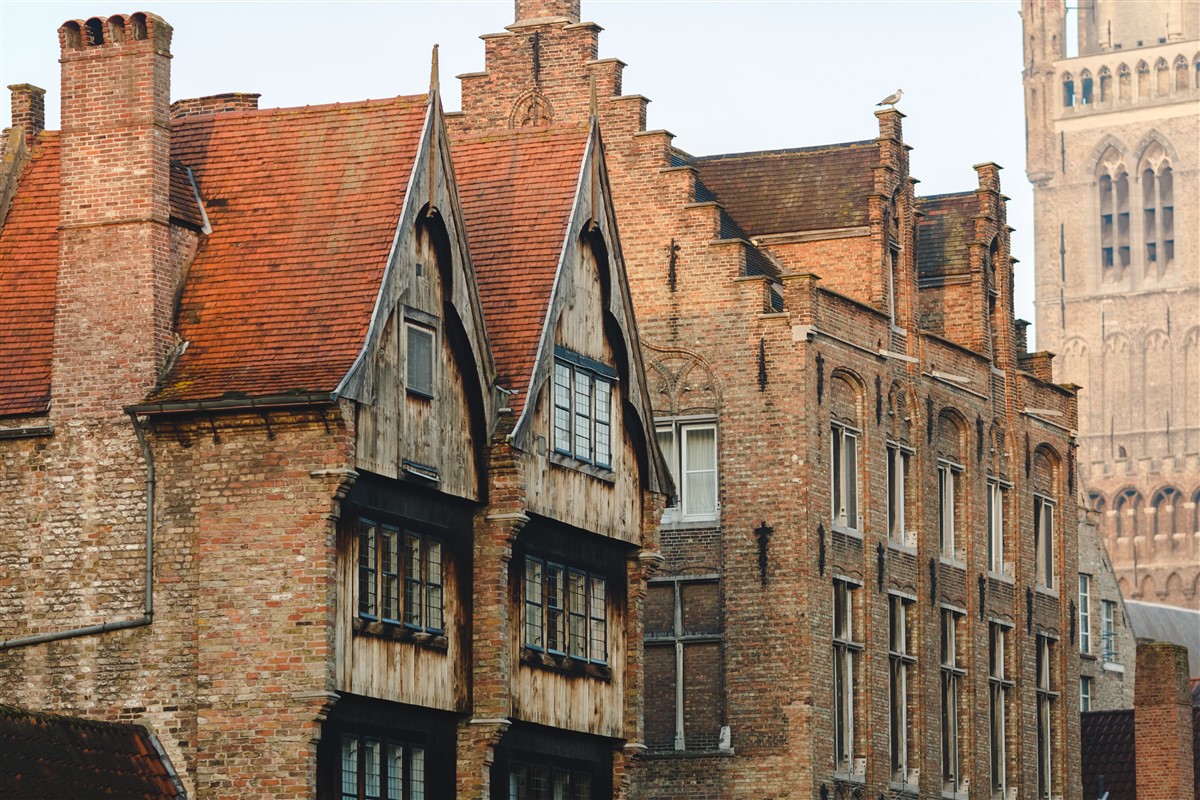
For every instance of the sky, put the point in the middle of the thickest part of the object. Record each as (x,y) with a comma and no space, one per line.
(723,76)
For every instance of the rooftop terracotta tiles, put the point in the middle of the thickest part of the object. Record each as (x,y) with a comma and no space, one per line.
(50,757)
(945,233)
(28,272)
(787,191)
(303,205)
(517,192)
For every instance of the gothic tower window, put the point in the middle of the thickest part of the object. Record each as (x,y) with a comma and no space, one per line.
(1123,83)
(1167,503)
(1181,74)
(1068,90)
(1143,80)
(1129,512)
(1085,88)
(1114,217)
(1158,211)
(1162,78)
(1105,85)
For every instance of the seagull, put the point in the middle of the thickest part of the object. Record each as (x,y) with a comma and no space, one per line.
(891,99)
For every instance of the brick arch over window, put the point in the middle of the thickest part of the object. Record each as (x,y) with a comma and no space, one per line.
(901,413)
(681,382)
(1112,181)
(951,436)
(1047,471)
(846,396)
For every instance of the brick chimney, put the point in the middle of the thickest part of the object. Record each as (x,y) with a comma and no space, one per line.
(1162,722)
(28,110)
(116,277)
(546,10)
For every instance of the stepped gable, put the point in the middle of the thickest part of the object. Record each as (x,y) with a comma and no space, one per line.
(303,204)
(49,757)
(945,233)
(786,191)
(517,192)
(28,271)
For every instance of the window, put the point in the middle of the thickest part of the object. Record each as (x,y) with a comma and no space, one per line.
(998,688)
(1043,540)
(690,449)
(898,458)
(1085,693)
(948,474)
(683,664)
(1085,613)
(1108,631)
(583,408)
(546,782)
(381,769)
(901,661)
(953,674)
(399,577)
(1113,183)
(1046,697)
(844,477)
(996,491)
(565,611)
(846,649)
(419,360)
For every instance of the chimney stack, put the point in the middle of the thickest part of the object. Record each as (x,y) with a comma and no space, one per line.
(1162,723)
(116,277)
(28,110)
(529,11)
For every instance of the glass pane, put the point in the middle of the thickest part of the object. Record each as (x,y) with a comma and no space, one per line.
(583,786)
(366,568)
(562,784)
(666,443)
(395,772)
(412,580)
(420,359)
(835,475)
(533,603)
(577,600)
(416,774)
(539,783)
(598,621)
(851,462)
(389,544)
(562,408)
(372,769)
(350,767)
(555,616)
(583,410)
(700,470)
(603,422)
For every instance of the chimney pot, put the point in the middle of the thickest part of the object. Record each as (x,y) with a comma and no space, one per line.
(229,101)
(544,10)
(28,110)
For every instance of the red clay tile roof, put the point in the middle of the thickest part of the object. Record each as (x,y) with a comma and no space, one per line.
(184,209)
(945,233)
(28,273)
(517,191)
(303,205)
(50,757)
(785,191)
(1106,748)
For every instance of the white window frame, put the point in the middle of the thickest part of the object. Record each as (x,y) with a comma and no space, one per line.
(679,430)
(842,473)
(1043,541)
(901,662)
(582,426)
(953,677)
(847,648)
(1086,685)
(999,685)
(899,464)
(1108,635)
(1085,613)
(1046,698)
(997,498)
(949,477)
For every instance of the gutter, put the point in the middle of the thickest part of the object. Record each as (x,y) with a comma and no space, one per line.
(234,403)
(148,608)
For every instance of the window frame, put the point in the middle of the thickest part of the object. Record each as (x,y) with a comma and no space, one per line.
(953,677)
(999,687)
(997,501)
(949,481)
(373,574)
(1047,696)
(679,428)
(411,754)
(1108,635)
(537,612)
(847,649)
(1085,614)
(595,382)
(428,328)
(1044,542)
(902,660)
(841,472)
(1086,684)
(898,530)
(521,771)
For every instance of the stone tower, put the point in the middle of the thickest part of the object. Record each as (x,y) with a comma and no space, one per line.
(1113,140)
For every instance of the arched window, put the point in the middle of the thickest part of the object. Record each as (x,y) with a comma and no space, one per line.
(1085,88)
(1181,74)
(1128,506)
(1143,80)
(1097,503)
(1168,508)
(846,430)
(951,432)
(1158,211)
(1124,84)
(1068,90)
(1162,78)
(1105,85)
(1113,184)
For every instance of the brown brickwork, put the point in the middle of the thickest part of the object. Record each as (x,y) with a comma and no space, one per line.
(1162,719)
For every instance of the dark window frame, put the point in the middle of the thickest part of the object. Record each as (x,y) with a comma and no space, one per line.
(575,379)
(377,596)
(537,611)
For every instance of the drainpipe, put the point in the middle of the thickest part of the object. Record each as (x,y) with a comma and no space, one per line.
(148,612)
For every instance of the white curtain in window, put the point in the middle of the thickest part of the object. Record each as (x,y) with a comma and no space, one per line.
(700,470)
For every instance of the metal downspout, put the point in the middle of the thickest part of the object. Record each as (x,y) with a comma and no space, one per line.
(148,613)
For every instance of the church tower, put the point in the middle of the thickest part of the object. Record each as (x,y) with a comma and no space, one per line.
(1113,152)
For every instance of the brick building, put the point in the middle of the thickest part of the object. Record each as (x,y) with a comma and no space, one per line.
(871,564)
(334,471)
(1114,158)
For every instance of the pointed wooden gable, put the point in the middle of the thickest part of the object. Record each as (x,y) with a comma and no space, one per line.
(544,241)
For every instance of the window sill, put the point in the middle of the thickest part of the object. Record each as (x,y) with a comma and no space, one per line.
(689,753)
(1088,656)
(901,547)
(697,523)
(904,788)
(1046,592)
(952,562)
(400,633)
(1001,577)
(849,777)
(565,664)
(853,533)
(570,462)
(1112,666)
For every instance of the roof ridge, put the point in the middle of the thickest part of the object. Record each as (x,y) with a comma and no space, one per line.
(514,133)
(786,150)
(399,100)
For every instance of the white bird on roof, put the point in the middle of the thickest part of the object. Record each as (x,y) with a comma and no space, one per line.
(891,99)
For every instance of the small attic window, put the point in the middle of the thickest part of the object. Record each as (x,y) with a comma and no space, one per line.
(419,366)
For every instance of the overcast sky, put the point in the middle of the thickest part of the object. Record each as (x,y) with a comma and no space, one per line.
(722,76)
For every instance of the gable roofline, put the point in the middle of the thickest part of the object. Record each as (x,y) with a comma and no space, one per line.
(593,167)
(786,151)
